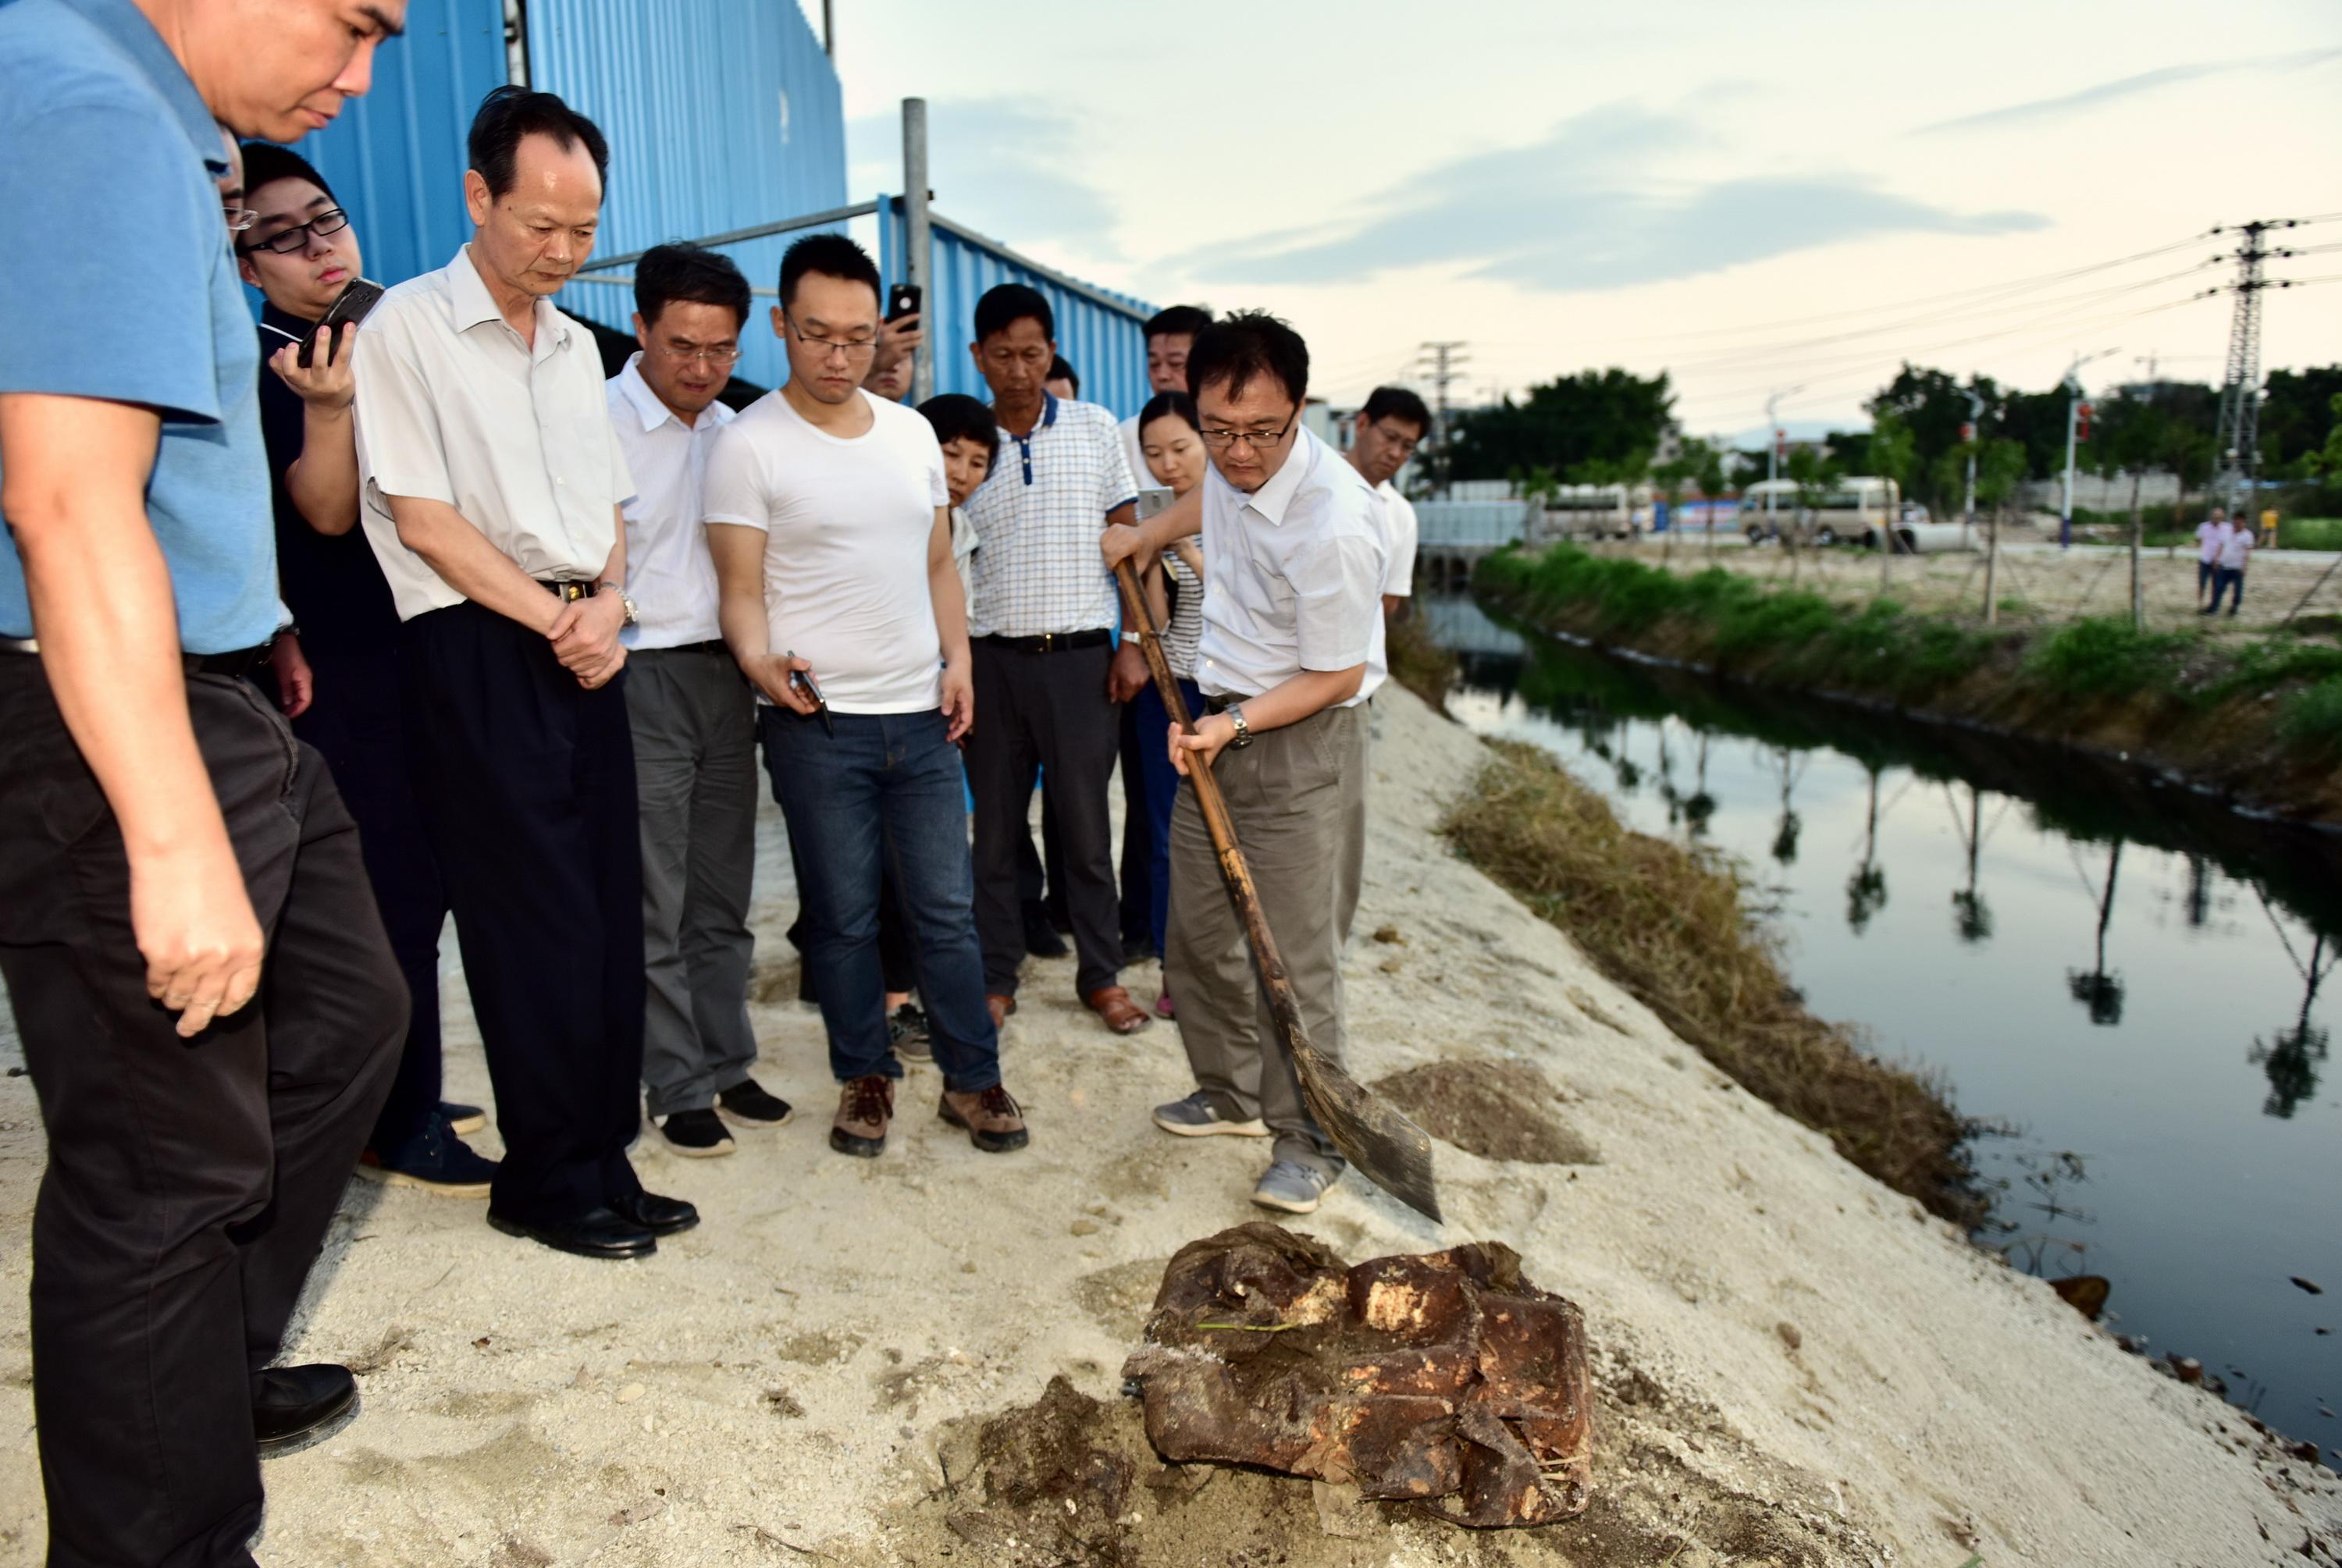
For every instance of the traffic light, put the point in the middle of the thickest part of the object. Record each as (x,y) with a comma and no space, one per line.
(2082,422)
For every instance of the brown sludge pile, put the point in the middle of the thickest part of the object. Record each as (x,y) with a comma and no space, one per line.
(1444,1379)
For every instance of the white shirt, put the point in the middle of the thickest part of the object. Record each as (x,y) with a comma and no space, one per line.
(2209,534)
(1399,519)
(965,544)
(1135,453)
(670,576)
(1293,576)
(1040,512)
(846,524)
(452,407)
(2236,545)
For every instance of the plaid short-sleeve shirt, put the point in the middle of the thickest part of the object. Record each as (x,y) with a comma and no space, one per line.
(1039,514)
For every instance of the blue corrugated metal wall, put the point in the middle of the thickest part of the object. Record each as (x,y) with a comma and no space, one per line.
(720,114)
(1106,346)
(396,157)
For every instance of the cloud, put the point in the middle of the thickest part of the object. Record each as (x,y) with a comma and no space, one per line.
(1006,166)
(2123,88)
(1582,209)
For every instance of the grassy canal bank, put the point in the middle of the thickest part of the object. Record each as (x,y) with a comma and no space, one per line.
(2257,718)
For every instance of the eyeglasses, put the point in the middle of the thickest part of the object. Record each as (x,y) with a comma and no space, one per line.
(719,357)
(239,218)
(830,345)
(1258,440)
(285,242)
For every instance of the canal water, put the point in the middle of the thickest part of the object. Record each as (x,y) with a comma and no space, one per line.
(2120,981)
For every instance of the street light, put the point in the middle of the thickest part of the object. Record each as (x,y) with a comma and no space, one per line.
(2072,412)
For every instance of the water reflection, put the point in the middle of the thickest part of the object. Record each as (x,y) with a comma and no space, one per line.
(2109,1068)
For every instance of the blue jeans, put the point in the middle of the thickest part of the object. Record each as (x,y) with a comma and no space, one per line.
(885,791)
(1154,722)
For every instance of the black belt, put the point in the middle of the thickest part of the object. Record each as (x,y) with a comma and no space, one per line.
(1221,704)
(1052,641)
(233,666)
(567,589)
(716,646)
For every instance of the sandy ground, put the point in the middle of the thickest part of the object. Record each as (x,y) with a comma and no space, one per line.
(1795,1366)
(2038,584)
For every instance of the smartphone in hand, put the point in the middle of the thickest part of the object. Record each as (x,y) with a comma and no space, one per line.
(902,300)
(348,309)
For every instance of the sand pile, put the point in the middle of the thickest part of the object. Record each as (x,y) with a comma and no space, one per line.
(1791,1365)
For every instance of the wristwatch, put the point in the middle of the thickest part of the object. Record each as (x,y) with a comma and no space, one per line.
(1244,730)
(633,616)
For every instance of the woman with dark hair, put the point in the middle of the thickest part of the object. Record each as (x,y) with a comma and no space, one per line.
(1174,598)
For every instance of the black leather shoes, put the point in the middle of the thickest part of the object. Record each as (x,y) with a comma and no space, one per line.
(291,1403)
(597,1233)
(659,1216)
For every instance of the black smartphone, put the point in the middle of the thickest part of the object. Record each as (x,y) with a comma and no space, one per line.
(348,309)
(902,300)
(802,681)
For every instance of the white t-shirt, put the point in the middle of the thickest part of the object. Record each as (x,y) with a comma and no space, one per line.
(846,525)
(2236,545)
(2208,535)
(1399,526)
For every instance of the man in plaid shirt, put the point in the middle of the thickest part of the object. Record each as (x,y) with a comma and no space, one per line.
(1048,672)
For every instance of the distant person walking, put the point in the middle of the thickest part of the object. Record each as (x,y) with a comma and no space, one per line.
(2235,549)
(2209,534)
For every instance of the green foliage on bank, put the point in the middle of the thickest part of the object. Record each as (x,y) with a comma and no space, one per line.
(1879,647)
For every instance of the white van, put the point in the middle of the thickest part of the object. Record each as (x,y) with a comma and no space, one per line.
(1855,511)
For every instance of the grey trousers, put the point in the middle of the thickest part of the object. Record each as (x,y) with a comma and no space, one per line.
(1298,798)
(695,725)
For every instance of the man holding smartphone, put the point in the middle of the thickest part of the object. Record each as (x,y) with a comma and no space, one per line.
(828,515)
(302,253)
(210,1012)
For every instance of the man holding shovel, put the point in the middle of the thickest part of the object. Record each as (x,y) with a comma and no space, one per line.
(1291,649)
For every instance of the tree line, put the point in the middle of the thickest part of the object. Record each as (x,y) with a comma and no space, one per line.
(1607,426)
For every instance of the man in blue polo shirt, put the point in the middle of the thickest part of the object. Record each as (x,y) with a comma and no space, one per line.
(208,1007)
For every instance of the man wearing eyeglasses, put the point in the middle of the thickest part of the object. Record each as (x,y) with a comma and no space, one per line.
(1390,428)
(491,484)
(1295,558)
(693,714)
(342,696)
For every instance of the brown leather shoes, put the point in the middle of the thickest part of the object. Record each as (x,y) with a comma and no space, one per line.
(994,1121)
(1000,1007)
(864,1107)
(1112,1004)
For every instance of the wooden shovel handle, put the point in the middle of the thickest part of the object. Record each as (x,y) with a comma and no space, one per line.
(1284,1007)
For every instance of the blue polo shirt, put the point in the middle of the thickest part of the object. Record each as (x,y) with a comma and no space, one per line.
(116,283)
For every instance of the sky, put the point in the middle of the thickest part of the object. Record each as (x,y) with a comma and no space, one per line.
(1756,198)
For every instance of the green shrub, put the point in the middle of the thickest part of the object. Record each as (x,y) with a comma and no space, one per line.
(2311,719)
(2103,655)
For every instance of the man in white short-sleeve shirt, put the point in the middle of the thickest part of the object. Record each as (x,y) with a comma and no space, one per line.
(2210,534)
(1294,559)
(693,718)
(1390,428)
(2235,548)
(828,518)
(491,481)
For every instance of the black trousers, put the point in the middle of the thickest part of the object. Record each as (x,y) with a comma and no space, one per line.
(1034,712)
(527,785)
(189,1182)
(355,724)
(1137,907)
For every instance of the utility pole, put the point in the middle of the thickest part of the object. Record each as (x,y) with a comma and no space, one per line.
(2073,386)
(2238,445)
(1443,357)
(1773,453)
(917,237)
(1968,439)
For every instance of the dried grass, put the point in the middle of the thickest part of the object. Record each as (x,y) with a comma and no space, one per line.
(1670,924)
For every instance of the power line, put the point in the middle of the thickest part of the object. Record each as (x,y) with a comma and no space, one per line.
(1445,356)
(2237,443)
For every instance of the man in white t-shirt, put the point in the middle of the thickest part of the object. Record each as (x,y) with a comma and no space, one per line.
(1390,428)
(828,519)
(2209,534)
(2228,573)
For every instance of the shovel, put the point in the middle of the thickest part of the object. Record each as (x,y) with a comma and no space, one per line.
(1391,1151)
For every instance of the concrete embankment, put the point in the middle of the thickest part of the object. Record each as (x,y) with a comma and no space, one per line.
(1795,1365)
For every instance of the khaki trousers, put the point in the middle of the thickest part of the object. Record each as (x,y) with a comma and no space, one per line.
(1297,796)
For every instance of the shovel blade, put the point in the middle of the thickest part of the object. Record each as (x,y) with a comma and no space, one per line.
(1374,1135)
